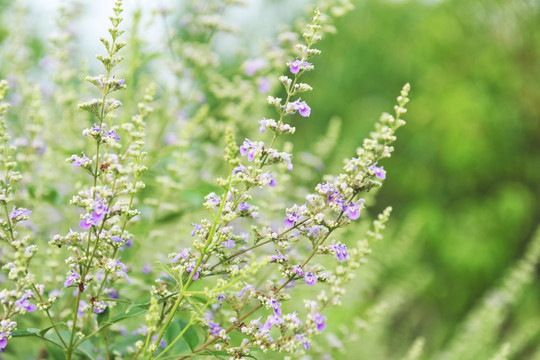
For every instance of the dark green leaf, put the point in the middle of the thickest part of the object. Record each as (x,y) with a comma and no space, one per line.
(54,353)
(27,332)
(104,317)
(35,332)
(86,349)
(190,336)
(52,338)
(187,342)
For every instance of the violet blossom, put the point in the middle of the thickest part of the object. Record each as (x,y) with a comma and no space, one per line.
(311,278)
(71,277)
(378,170)
(319,320)
(341,251)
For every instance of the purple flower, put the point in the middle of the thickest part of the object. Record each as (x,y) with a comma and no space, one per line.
(263,124)
(229,244)
(19,212)
(266,178)
(23,302)
(249,148)
(196,227)
(78,161)
(341,251)
(303,340)
(263,85)
(279,257)
(146,269)
(100,209)
(298,65)
(301,107)
(82,307)
(319,320)
(72,276)
(184,254)
(112,293)
(142,330)
(112,134)
(295,66)
(252,66)
(311,278)
(116,239)
(212,199)
(256,322)
(328,190)
(244,289)
(271,321)
(287,159)
(100,307)
(353,211)
(291,219)
(243,206)
(86,223)
(221,297)
(191,270)
(121,268)
(3,340)
(215,329)
(315,230)
(239,168)
(378,170)
(297,270)
(162,342)
(7,327)
(276,305)
(293,318)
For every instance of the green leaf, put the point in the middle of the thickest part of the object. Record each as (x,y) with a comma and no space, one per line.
(190,336)
(53,339)
(188,341)
(27,332)
(86,349)
(129,313)
(54,353)
(121,344)
(35,332)
(104,317)
(44,331)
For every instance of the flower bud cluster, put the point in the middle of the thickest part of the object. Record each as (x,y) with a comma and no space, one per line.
(17,296)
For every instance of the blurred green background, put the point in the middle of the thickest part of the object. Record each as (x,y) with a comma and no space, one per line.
(467,165)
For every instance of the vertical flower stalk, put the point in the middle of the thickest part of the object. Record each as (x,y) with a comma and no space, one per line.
(115,173)
(20,297)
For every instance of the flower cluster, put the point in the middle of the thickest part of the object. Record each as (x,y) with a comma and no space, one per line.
(17,296)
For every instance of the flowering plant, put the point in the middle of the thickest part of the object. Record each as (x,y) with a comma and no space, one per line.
(228,289)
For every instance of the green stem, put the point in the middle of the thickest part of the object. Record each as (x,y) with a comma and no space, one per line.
(76,313)
(197,264)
